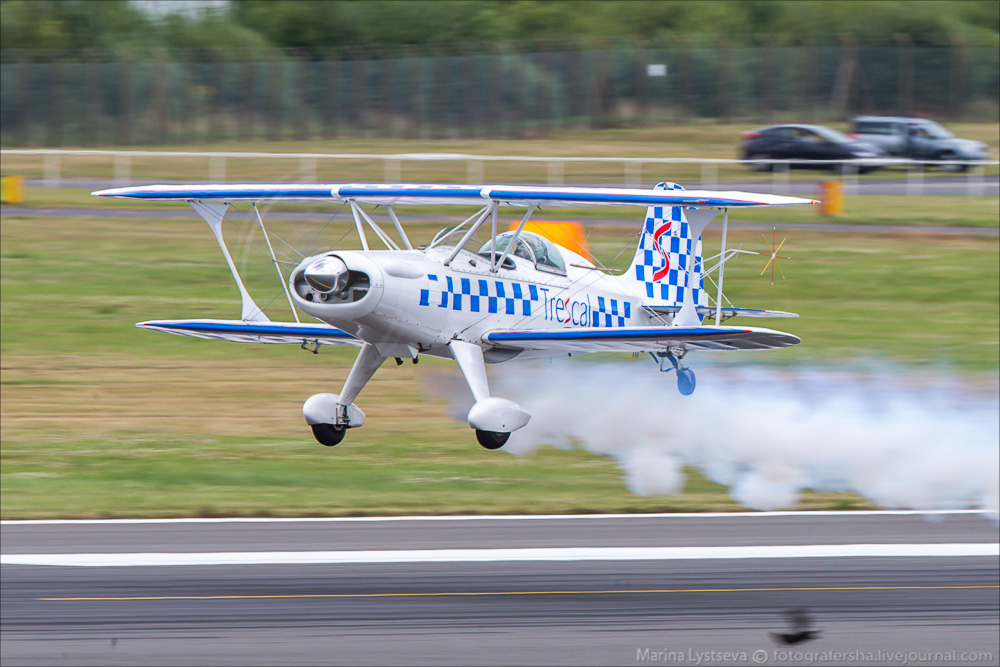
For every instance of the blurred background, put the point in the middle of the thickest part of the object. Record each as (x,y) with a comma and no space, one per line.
(160,71)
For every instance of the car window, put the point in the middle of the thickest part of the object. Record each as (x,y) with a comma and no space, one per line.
(935,131)
(831,135)
(810,136)
(782,132)
(873,127)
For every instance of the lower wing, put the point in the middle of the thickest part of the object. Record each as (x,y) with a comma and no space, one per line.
(255,332)
(642,339)
(727,311)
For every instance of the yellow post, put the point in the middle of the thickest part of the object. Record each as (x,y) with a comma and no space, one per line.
(12,189)
(832,196)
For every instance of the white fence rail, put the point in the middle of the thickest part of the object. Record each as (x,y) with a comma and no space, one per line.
(631,167)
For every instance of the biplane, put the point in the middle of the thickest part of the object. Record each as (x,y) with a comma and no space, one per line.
(518,296)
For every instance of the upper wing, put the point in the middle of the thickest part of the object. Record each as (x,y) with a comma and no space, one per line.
(387,195)
(642,339)
(255,332)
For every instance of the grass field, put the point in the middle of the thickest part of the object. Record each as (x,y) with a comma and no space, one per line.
(98,418)
(931,211)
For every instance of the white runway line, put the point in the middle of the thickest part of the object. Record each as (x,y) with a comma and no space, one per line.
(495,517)
(504,555)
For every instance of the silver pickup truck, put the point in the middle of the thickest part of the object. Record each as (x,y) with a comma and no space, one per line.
(919,139)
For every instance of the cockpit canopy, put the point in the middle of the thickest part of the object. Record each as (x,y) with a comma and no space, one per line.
(532,247)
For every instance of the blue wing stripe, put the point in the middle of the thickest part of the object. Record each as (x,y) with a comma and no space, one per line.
(224,194)
(608,334)
(593,197)
(252,329)
(460,194)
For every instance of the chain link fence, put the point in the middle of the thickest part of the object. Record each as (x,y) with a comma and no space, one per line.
(86,99)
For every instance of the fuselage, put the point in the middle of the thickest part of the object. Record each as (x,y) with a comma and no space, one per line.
(409,302)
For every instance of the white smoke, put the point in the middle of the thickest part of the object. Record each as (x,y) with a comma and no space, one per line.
(900,440)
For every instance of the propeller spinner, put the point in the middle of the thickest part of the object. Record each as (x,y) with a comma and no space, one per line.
(327,275)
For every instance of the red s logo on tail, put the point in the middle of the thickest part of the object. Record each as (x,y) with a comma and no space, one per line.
(662,273)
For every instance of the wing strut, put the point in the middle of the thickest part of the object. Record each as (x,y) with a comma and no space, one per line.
(281,278)
(213,215)
(445,235)
(722,266)
(357,222)
(472,230)
(513,240)
(399,228)
(493,246)
(389,243)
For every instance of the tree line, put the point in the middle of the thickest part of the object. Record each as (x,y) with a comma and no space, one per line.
(310,29)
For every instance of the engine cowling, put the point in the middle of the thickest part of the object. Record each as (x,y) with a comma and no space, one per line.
(337,287)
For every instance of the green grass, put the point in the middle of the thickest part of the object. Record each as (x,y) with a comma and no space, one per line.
(169,475)
(98,418)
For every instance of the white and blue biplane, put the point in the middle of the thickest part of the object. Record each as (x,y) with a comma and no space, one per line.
(519,296)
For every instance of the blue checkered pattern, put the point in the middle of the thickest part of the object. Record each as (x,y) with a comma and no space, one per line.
(678,249)
(480,295)
(609,313)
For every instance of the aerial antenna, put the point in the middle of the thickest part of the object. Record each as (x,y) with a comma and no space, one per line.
(773,261)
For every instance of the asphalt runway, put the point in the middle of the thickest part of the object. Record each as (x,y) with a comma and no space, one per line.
(610,590)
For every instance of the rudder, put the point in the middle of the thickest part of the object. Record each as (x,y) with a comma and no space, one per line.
(661,258)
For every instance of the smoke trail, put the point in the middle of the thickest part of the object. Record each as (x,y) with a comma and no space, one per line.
(900,440)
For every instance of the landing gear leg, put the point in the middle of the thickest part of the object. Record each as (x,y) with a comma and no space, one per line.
(330,415)
(685,376)
(493,418)
(368,361)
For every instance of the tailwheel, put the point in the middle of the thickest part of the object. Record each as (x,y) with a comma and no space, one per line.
(685,381)
(329,435)
(685,376)
(491,439)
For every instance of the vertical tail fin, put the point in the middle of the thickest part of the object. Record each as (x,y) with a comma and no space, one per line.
(661,259)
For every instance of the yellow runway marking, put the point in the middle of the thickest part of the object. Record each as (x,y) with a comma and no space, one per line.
(497,593)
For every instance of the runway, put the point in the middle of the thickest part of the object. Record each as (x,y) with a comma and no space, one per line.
(616,609)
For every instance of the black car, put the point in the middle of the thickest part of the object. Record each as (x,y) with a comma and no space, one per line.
(806,142)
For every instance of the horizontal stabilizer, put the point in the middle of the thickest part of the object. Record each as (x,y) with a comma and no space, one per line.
(642,339)
(481,195)
(239,331)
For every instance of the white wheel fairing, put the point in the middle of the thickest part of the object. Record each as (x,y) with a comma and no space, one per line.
(322,409)
(499,415)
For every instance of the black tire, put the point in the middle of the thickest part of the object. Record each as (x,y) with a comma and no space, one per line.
(955,168)
(758,166)
(328,435)
(492,439)
(842,168)
(685,381)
